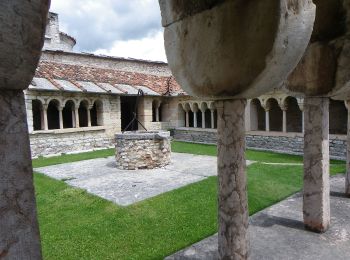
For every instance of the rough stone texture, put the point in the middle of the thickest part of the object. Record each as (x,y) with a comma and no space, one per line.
(347,177)
(278,233)
(289,143)
(69,140)
(124,187)
(316,207)
(22,37)
(239,66)
(233,201)
(19,232)
(142,150)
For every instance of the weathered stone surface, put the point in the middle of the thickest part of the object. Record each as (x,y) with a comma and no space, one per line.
(315,73)
(228,48)
(347,176)
(142,150)
(233,202)
(291,143)
(21,39)
(316,206)
(19,232)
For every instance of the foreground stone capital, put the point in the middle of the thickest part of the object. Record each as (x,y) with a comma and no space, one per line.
(233,201)
(316,206)
(230,48)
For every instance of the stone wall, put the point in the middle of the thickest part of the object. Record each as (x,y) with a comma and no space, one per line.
(55,142)
(291,143)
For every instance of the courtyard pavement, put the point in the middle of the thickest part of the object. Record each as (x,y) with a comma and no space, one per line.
(102,178)
(278,233)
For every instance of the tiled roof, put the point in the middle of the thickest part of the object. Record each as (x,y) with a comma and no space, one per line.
(53,76)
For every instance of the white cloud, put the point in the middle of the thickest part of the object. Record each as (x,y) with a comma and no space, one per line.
(148,48)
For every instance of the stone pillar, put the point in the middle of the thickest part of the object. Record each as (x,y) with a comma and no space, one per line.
(284,111)
(89,116)
(233,203)
(19,231)
(195,119)
(212,118)
(45,121)
(347,176)
(316,206)
(60,112)
(267,120)
(76,116)
(303,121)
(157,114)
(187,119)
(203,119)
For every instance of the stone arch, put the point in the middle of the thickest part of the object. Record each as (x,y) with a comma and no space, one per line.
(84,113)
(156,110)
(68,113)
(97,113)
(257,116)
(276,115)
(194,115)
(38,114)
(53,114)
(338,117)
(294,115)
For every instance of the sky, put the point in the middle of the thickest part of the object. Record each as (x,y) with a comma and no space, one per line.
(122,28)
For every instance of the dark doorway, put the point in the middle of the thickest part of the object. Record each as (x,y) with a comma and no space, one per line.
(127,105)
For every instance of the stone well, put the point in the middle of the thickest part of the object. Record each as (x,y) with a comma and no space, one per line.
(142,150)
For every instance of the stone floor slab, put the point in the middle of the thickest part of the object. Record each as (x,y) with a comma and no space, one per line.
(123,187)
(278,233)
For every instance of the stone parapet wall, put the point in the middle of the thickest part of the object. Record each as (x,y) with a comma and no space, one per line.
(55,142)
(291,143)
(146,150)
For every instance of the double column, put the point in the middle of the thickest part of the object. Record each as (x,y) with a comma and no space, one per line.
(233,202)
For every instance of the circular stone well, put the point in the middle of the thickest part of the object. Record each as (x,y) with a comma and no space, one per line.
(142,150)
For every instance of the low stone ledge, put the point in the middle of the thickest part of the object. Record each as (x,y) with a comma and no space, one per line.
(69,130)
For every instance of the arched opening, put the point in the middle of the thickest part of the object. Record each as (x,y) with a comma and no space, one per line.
(83,113)
(38,115)
(276,115)
(97,114)
(294,116)
(215,119)
(181,116)
(191,118)
(161,112)
(155,110)
(207,118)
(69,114)
(53,115)
(257,116)
(338,117)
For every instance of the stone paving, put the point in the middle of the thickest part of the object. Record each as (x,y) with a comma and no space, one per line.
(123,187)
(278,233)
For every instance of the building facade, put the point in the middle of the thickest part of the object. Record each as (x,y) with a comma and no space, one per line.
(78,102)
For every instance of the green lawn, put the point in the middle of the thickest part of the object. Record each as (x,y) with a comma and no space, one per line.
(76,225)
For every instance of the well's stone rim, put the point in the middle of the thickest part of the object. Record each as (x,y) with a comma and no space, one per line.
(143,135)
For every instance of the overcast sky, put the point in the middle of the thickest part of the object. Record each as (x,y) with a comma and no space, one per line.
(123,28)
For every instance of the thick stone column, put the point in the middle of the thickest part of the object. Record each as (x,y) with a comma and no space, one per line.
(60,113)
(212,118)
(347,176)
(19,231)
(233,203)
(267,120)
(316,206)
